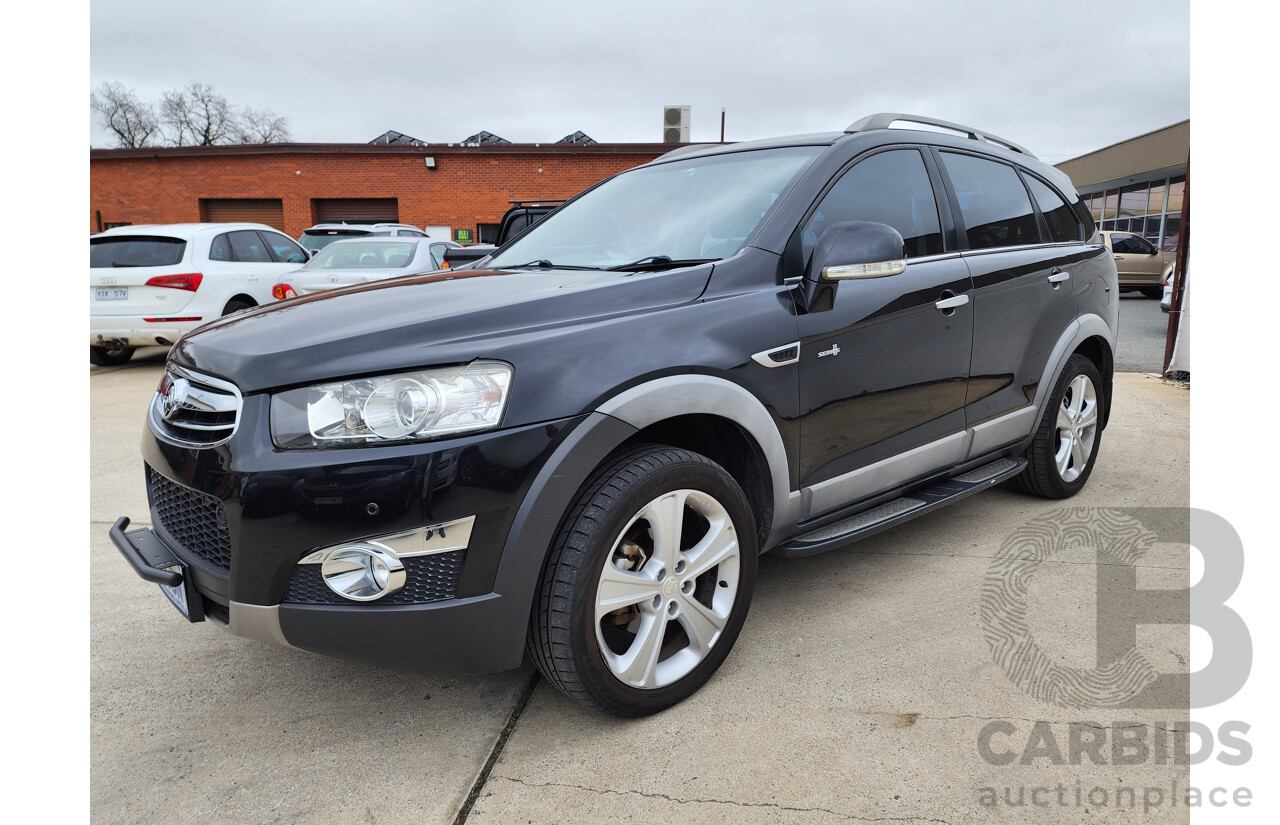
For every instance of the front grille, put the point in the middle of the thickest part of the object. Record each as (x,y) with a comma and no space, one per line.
(431,578)
(198,523)
(194,410)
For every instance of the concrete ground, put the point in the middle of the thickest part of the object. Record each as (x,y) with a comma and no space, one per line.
(859,689)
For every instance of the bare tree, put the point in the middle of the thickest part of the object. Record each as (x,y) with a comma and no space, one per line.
(261,126)
(132,122)
(197,116)
(194,116)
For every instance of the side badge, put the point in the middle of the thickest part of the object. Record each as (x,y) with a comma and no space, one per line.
(835,350)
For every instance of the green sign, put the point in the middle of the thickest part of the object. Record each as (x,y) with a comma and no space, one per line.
(464,236)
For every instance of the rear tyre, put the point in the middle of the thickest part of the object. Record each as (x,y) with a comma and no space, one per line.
(648,583)
(110,356)
(235,305)
(1065,445)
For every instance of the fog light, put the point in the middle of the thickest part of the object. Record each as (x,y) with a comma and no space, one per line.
(362,572)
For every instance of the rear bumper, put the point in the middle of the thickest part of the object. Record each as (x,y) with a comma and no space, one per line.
(133,331)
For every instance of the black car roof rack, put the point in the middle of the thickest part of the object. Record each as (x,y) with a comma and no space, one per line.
(883,120)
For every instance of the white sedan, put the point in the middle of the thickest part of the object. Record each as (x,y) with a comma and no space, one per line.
(148,285)
(369,258)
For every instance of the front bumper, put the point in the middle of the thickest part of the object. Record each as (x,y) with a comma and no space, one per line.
(240,516)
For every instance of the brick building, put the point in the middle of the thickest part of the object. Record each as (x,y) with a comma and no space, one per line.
(295,185)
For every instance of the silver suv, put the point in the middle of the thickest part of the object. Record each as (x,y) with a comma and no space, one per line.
(323,234)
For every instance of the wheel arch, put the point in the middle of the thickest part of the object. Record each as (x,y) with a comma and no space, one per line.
(239,296)
(1098,350)
(727,444)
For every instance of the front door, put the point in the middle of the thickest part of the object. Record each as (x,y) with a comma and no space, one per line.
(884,368)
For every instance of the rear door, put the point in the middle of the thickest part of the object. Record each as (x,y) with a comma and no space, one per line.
(883,370)
(1022,290)
(254,264)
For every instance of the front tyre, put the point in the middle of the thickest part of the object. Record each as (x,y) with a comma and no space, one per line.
(1065,445)
(648,583)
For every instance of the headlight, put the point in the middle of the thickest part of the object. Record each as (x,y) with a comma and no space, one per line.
(410,406)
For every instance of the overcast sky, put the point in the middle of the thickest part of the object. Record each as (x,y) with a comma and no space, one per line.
(1062,79)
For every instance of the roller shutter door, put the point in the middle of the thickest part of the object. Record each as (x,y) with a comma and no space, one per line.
(357,210)
(244,210)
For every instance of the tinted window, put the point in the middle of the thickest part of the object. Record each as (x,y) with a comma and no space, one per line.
(1063,225)
(1125,244)
(136,250)
(285,250)
(993,202)
(437,254)
(891,188)
(247,247)
(220,249)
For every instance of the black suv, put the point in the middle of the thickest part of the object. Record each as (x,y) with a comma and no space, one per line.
(580,447)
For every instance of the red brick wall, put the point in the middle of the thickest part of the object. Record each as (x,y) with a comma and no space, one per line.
(468,187)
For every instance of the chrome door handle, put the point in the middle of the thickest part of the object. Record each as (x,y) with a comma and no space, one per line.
(1059,277)
(1117,257)
(951,303)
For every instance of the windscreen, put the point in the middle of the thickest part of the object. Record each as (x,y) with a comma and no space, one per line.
(697,209)
(135,250)
(386,255)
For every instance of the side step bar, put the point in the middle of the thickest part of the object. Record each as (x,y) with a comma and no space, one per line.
(892,513)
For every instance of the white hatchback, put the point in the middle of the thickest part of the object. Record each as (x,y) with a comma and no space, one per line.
(148,285)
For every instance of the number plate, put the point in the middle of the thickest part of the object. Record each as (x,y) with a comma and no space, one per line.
(111,293)
(178,595)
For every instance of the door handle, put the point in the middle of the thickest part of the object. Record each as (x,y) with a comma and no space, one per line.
(951,303)
(1117,257)
(1058,276)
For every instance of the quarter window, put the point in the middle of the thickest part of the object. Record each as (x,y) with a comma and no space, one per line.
(1062,221)
(891,188)
(220,249)
(993,202)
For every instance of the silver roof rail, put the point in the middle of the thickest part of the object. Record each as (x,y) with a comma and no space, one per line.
(684,150)
(884,120)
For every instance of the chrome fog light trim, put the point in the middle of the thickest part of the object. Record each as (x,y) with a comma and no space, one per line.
(423,541)
(362,572)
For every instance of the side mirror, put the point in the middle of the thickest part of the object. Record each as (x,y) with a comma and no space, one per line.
(849,251)
(857,249)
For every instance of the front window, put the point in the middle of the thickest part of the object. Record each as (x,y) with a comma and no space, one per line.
(390,254)
(697,209)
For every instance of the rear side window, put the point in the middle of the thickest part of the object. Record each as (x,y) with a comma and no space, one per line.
(891,188)
(247,247)
(993,202)
(136,250)
(1063,224)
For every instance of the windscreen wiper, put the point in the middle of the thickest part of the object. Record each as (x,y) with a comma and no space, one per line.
(544,264)
(655,262)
